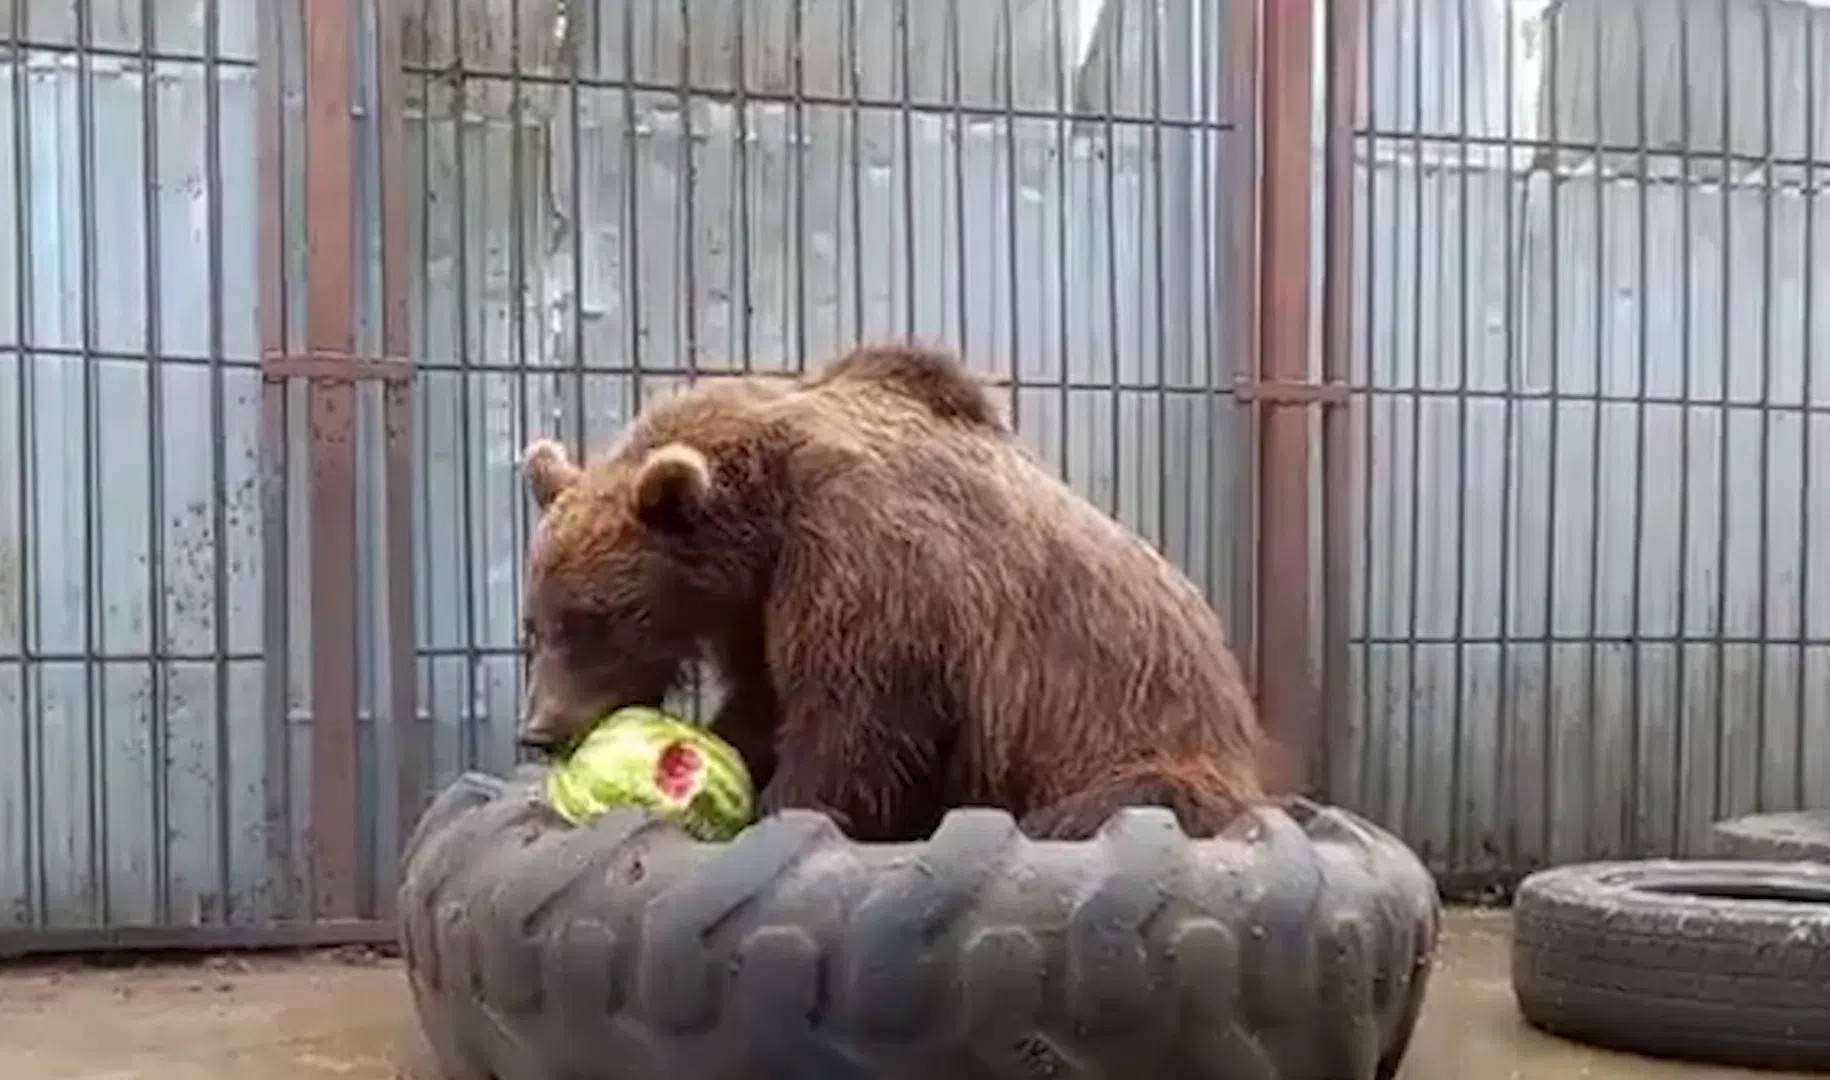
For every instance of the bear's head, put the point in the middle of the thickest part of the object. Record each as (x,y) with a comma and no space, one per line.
(639,560)
(667,543)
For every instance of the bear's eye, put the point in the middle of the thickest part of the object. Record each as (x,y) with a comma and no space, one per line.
(577,624)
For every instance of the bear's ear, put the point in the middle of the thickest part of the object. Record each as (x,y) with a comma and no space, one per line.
(671,487)
(548,470)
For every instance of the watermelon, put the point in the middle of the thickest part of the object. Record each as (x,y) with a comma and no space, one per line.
(639,756)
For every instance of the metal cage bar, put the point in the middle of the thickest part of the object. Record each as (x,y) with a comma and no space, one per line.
(434,228)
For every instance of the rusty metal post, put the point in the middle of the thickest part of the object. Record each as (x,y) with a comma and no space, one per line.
(1240,244)
(1341,64)
(1283,394)
(276,781)
(333,852)
(397,440)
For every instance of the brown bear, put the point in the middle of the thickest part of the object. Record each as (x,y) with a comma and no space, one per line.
(908,612)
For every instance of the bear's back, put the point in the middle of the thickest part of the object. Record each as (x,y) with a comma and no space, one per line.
(1057,630)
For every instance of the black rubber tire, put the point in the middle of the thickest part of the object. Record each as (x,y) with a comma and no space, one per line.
(1800,834)
(1671,959)
(1299,945)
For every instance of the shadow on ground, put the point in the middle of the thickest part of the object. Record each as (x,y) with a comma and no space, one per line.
(347,1017)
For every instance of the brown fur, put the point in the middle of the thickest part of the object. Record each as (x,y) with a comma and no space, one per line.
(908,611)
(933,378)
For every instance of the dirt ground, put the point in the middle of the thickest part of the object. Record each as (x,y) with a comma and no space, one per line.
(346,1016)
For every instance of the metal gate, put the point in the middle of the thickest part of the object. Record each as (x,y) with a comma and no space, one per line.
(1581,300)
(265,380)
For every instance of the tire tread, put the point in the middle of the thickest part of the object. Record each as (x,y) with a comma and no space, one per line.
(541,952)
(1727,982)
(1797,834)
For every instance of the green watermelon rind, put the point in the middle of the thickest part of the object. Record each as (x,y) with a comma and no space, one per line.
(722,807)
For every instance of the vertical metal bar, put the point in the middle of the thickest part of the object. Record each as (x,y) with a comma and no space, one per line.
(688,193)
(1552,162)
(1681,771)
(1459,737)
(1153,38)
(745,305)
(397,439)
(1633,830)
(1505,779)
(31,750)
(421,437)
(1808,289)
(907,118)
(1725,161)
(335,858)
(798,112)
(1414,394)
(575,30)
(689,187)
(1762,558)
(276,689)
(855,117)
(1210,115)
(517,313)
(1592,817)
(1341,59)
(632,209)
(1244,64)
(158,720)
(1392,394)
(1063,284)
(788,266)
(1012,171)
(1285,693)
(219,481)
(1111,18)
(955,94)
(95,721)
(1372,751)
(575,225)
(839,140)
(471,713)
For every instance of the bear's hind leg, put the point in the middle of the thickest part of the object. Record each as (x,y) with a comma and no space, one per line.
(1202,806)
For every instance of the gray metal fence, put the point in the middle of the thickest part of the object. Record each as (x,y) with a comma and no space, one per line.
(1590,352)
(285,295)
(131,651)
(288,286)
(658,191)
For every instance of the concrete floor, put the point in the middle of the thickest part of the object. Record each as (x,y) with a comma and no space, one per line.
(347,1017)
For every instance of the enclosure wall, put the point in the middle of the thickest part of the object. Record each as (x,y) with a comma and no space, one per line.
(288,286)
(1590,382)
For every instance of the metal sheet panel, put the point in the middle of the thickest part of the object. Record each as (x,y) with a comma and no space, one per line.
(130,550)
(587,240)
(1591,386)
(601,202)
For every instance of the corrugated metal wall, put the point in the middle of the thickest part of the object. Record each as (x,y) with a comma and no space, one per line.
(700,197)
(602,200)
(131,563)
(1589,311)
(1589,363)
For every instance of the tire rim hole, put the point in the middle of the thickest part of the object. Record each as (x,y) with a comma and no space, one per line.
(1776,891)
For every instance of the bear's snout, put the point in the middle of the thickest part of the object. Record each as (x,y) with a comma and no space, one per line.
(539,729)
(542,741)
